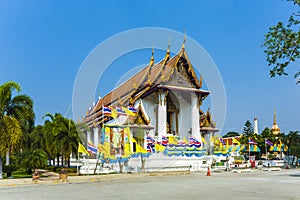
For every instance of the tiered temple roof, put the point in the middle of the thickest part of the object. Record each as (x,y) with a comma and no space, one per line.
(147,80)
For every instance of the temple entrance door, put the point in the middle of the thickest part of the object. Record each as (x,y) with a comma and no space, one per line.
(170,129)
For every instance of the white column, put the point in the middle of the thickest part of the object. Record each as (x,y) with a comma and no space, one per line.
(255,126)
(162,116)
(195,117)
(96,136)
(88,136)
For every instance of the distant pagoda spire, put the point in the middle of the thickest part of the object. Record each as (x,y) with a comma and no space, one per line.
(275,129)
(274,123)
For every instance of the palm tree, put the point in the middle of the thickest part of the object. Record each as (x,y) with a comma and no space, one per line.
(21,108)
(293,143)
(16,116)
(33,159)
(52,146)
(42,138)
(10,135)
(63,136)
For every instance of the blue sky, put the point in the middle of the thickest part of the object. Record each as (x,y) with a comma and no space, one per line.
(43,44)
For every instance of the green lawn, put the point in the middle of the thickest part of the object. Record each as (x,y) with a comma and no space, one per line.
(20,174)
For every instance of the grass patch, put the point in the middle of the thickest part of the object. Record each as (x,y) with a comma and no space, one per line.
(20,174)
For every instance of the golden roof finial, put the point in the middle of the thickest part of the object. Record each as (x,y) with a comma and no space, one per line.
(184,40)
(169,44)
(168,52)
(152,57)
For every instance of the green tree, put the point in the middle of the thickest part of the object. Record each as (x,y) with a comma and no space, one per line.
(63,137)
(231,134)
(247,133)
(10,135)
(293,142)
(267,133)
(248,129)
(42,138)
(33,159)
(282,45)
(16,116)
(19,107)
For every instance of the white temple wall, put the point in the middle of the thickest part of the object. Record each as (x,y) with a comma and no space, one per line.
(150,106)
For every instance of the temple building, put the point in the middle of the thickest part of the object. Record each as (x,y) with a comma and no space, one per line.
(275,129)
(167,97)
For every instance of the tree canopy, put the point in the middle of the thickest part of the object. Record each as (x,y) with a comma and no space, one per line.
(231,134)
(248,128)
(282,45)
(16,119)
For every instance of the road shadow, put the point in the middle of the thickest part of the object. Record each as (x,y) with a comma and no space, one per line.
(295,175)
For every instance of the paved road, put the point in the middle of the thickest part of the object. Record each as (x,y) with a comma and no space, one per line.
(256,185)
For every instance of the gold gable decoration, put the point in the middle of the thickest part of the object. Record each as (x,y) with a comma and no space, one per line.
(141,117)
(184,66)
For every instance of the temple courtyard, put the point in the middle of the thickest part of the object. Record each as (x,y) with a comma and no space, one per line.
(258,184)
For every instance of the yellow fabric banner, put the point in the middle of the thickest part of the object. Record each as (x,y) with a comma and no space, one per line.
(159,147)
(128,112)
(105,149)
(173,140)
(235,141)
(114,113)
(203,140)
(81,149)
(127,151)
(185,140)
(139,149)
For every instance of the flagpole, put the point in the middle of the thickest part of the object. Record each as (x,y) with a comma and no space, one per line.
(249,149)
(77,162)
(266,149)
(189,146)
